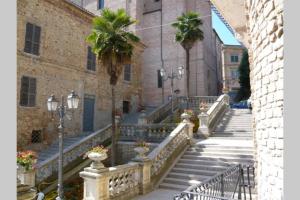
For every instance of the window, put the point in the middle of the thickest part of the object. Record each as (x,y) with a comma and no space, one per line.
(91,60)
(28,91)
(100,4)
(234,58)
(32,39)
(36,136)
(126,106)
(127,72)
(159,79)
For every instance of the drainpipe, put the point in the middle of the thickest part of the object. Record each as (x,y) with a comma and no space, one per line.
(161,53)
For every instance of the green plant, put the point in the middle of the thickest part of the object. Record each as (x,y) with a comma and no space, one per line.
(27,159)
(142,143)
(98,149)
(188,32)
(244,79)
(113,46)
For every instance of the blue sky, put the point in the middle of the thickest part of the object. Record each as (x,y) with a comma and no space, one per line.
(223,32)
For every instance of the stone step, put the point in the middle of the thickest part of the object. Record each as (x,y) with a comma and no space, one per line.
(170,186)
(232,138)
(215,168)
(188,176)
(203,162)
(214,146)
(193,171)
(219,154)
(227,150)
(229,159)
(183,182)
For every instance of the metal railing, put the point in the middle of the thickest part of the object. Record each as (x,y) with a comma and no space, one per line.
(228,185)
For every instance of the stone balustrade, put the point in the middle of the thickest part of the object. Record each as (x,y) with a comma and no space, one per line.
(168,150)
(49,166)
(147,132)
(138,176)
(208,120)
(193,103)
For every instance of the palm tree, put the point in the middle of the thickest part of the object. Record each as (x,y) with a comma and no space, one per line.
(113,46)
(188,32)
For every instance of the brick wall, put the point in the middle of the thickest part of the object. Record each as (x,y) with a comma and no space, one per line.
(265,28)
(62,67)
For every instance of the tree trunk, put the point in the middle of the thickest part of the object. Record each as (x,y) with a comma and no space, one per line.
(187,51)
(113,127)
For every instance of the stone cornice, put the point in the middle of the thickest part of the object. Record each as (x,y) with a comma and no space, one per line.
(73,9)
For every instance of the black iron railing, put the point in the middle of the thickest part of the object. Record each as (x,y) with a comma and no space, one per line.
(228,185)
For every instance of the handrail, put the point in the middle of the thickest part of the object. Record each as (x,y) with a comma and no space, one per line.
(223,186)
(164,152)
(45,168)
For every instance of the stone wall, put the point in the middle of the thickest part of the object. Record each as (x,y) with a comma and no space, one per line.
(61,67)
(265,28)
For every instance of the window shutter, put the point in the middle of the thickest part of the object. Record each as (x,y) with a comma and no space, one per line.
(91,60)
(32,39)
(36,40)
(127,72)
(28,37)
(28,91)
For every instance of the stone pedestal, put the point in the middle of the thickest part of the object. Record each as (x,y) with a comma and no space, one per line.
(203,130)
(96,184)
(27,177)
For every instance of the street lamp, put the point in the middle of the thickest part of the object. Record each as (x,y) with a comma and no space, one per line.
(52,105)
(172,76)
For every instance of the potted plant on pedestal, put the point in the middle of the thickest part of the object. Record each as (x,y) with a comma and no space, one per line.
(97,155)
(26,161)
(141,147)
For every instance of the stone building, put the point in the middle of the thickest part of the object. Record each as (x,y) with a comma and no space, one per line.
(218,56)
(231,59)
(54,58)
(154,27)
(265,28)
(260,27)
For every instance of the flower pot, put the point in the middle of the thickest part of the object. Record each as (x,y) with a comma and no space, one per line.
(97,159)
(141,151)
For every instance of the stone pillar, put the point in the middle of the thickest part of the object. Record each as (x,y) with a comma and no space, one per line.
(186,119)
(203,130)
(96,184)
(145,175)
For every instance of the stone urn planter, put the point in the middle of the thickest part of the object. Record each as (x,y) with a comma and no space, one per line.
(97,159)
(141,151)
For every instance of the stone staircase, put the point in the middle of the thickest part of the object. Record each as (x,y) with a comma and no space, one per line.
(53,148)
(231,143)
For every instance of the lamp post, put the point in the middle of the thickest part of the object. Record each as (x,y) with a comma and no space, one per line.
(172,76)
(52,105)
